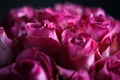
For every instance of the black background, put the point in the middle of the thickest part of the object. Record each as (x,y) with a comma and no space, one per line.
(112,7)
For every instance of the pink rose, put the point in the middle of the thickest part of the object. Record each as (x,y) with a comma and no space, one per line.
(106,68)
(43,36)
(70,14)
(25,13)
(96,23)
(17,18)
(78,50)
(31,64)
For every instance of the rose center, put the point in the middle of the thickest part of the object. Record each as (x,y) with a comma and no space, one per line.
(78,40)
(99,18)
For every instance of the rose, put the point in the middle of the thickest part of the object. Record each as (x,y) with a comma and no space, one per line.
(70,14)
(31,64)
(43,36)
(106,68)
(41,59)
(18,15)
(96,23)
(22,14)
(17,18)
(78,50)
(29,69)
(110,44)
(101,27)
(45,29)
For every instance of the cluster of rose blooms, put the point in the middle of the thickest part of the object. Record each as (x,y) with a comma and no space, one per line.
(67,42)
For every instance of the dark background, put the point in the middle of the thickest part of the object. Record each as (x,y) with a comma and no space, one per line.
(112,7)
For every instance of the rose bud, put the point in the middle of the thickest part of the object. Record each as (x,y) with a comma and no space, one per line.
(78,50)
(106,69)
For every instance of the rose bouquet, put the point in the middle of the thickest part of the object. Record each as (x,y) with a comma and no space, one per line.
(67,42)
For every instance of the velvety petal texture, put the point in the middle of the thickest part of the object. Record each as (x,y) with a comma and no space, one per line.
(65,42)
